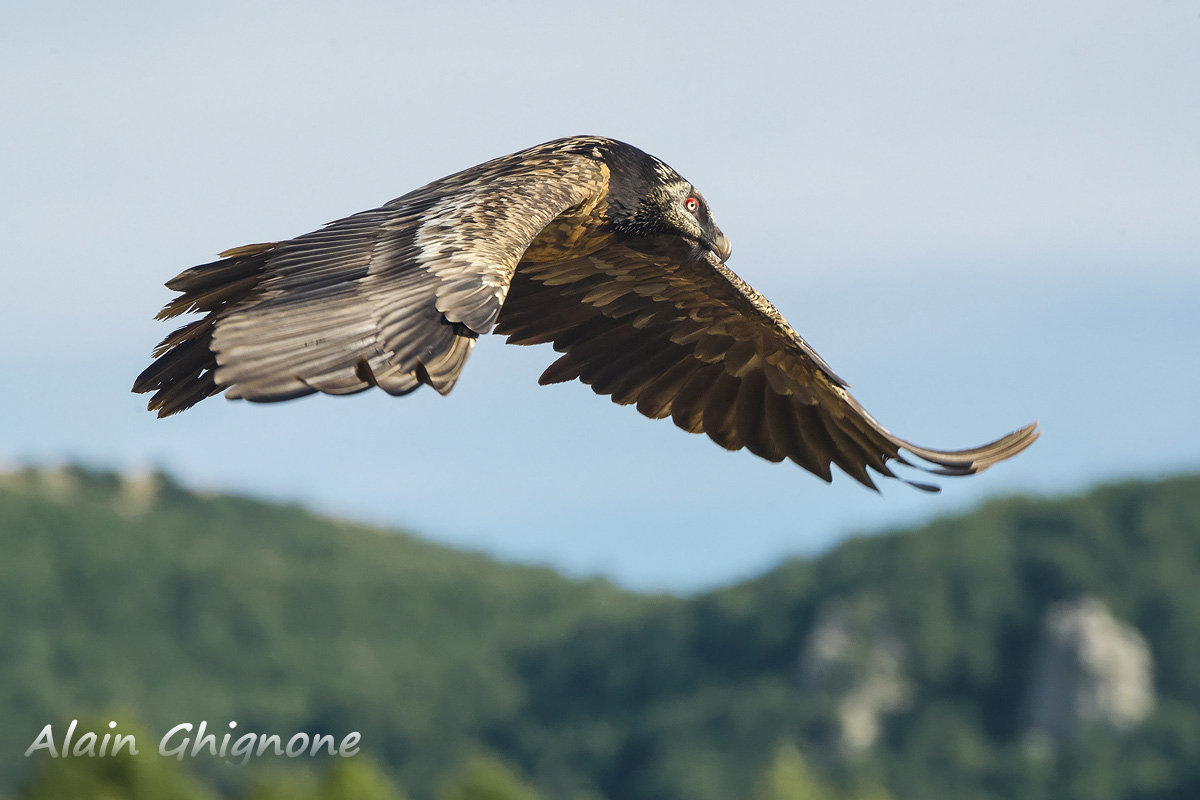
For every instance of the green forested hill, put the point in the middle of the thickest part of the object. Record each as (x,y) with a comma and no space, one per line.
(967,596)
(171,606)
(180,607)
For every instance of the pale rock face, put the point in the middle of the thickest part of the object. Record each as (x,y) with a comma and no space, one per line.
(1092,669)
(139,491)
(136,494)
(854,657)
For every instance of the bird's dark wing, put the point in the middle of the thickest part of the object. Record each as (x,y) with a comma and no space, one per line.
(392,297)
(688,339)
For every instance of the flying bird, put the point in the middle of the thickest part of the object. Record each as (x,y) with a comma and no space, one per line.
(586,243)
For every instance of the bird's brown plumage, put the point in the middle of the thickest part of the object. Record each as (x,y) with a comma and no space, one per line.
(564,243)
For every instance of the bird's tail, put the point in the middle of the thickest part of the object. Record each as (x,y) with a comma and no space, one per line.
(184,370)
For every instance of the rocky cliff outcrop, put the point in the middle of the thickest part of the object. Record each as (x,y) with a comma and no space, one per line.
(1091,669)
(854,658)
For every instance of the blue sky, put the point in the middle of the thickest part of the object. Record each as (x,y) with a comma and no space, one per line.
(979,215)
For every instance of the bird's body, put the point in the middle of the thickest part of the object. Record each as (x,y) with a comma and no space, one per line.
(584,242)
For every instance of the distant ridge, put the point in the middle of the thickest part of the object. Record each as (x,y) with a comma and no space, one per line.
(121,592)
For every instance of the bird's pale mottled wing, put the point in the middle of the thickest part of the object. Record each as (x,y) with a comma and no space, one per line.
(393,297)
(688,339)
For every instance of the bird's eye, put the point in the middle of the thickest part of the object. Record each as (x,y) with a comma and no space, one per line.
(691,204)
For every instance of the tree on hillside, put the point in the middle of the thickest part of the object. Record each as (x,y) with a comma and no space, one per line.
(787,777)
(487,778)
(357,778)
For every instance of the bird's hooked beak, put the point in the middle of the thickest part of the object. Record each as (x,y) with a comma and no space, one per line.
(719,244)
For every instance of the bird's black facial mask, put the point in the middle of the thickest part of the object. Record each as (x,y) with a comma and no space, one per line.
(671,211)
(648,201)
(710,236)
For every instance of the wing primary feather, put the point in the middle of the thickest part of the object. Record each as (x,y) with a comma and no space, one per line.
(565,368)
(645,355)
(850,457)
(812,432)
(629,387)
(687,410)
(612,342)
(750,413)
(975,459)
(193,330)
(655,399)
(719,412)
(784,427)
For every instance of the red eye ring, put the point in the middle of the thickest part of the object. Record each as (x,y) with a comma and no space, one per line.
(691,204)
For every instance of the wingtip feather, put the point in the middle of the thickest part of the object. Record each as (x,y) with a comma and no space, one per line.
(976,459)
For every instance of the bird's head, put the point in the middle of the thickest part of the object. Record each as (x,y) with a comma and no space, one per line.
(649,200)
